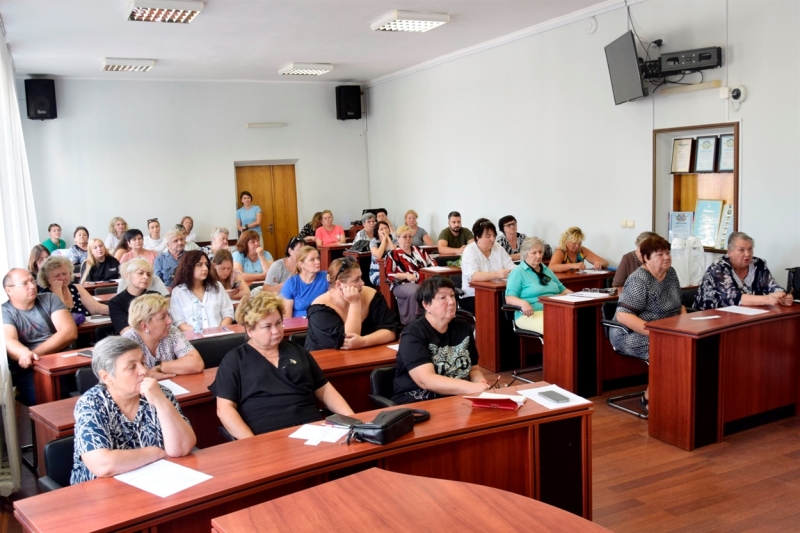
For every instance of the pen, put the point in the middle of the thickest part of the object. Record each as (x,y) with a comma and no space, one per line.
(226,329)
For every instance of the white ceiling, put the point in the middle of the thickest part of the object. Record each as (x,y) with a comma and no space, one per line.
(252,39)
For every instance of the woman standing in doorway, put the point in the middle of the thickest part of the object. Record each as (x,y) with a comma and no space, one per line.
(248,216)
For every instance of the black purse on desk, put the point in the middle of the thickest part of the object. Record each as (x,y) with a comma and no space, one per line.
(388,426)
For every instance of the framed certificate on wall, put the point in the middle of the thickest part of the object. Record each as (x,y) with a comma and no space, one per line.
(726,153)
(682,156)
(706,154)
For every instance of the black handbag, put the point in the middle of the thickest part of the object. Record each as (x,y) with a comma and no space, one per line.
(360,246)
(387,426)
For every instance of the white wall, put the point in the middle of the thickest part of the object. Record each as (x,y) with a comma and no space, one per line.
(529,128)
(167,149)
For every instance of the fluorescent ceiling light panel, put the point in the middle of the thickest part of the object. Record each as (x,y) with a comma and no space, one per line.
(116,64)
(175,11)
(305,69)
(409,21)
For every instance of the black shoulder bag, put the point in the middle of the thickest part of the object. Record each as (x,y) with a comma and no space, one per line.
(388,426)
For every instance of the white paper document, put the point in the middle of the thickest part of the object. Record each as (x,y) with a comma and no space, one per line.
(98,319)
(533,394)
(313,434)
(583,294)
(176,389)
(163,478)
(568,298)
(438,268)
(519,398)
(217,334)
(742,310)
(710,317)
(592,272)
(394,347)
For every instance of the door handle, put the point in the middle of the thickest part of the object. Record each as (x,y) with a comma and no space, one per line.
(271,228)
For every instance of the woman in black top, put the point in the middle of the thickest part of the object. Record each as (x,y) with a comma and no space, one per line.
(349,315)
(99,265)
(137,273)
(437,355)
(270,383)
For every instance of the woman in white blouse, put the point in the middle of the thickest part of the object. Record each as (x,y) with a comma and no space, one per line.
(116,229)
(482,260)
(193,284)
(154,241)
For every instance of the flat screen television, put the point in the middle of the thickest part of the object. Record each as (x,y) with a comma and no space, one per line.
(624,69)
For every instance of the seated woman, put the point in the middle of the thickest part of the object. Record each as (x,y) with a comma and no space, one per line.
(38,256)
(219,241)
(310,230)
(349,316)
(100,265)
(483,260)
(137,274)
(188,224)
(270,383)
(56,276)
(116,229)
(402,272)
(300,290)
(571,255)
(383,216)
(222,271)
(437,355)
(122,248)
(368,233)
(80,250)
(419,237)
(631,261)
(194,284)
(529,281)
(328,233)
(154,241)
(739,278)
(508,238)
(54,242)
(250,258)
(167,353)
(127,420)
(380,248)
(284,268)
(135,241)
(652,292)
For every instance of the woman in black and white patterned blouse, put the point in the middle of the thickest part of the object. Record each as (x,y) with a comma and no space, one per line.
(508,238)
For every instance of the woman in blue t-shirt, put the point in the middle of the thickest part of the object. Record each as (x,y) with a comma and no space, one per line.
(248,216)
(299,291)
(250,258)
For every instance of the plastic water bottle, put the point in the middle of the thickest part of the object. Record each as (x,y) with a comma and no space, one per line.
(197,316)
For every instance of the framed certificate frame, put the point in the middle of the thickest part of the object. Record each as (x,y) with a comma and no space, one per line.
(682,156)
(726,153)
(705,156)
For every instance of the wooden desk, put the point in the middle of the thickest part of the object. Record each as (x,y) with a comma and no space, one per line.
(378,500)
(581,358)
(330,252)
(429,272)
(49,368)
(90,286)
(346,370)
(534,451)
(708,375)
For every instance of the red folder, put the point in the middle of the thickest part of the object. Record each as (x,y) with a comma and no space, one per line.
(493,403)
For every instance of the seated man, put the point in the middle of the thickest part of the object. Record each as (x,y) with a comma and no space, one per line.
(739,278)
(167,262)
(33,325)
(453,239)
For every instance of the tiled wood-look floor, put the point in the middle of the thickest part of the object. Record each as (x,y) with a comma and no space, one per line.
(749,482)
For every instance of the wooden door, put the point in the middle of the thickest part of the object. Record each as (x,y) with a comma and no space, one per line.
(273,189)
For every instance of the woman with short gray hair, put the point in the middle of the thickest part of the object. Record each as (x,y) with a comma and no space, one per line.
(219,240)
(127,420)
(368,233)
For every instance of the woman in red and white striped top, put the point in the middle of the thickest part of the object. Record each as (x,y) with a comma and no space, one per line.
(402,271)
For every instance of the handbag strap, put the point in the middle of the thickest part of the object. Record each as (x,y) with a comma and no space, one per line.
(45,316)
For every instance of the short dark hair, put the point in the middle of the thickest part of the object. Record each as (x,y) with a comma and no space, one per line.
(452,214)
(652,245)
(381,210)
(294,241)
(132,234)
(429,288)
(379,224)
(184,272)
(80,228)
(245,193)
(505,220)
(53,225)
(481,226)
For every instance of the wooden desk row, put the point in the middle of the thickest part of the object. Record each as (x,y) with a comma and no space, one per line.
(534,451)
(348,371)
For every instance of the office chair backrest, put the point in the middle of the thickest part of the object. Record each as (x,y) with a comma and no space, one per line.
(609,310)
(442,260)
(299,338)
(105,290)
(687,297)
(381,382)
(57,463)
(85,379)
(793,281)
(213,349)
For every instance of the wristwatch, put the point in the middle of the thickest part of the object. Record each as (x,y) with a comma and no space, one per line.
(157,368)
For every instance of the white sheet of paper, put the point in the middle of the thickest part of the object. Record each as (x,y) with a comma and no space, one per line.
(583,294)
(533,394)
(706,317)
(742,310)
(163,478)
(176,389)
(313,435)
(73,354)
(438,268)
(519,398)
(394,347)
(592,272)
(207,335)
(100,320)
(568,298)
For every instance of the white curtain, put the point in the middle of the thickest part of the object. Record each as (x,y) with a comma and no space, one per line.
(18,225)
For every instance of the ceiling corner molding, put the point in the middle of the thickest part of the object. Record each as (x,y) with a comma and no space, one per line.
(597,9)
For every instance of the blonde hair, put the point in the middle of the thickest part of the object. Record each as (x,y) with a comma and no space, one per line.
(137,263)
(326,211)
(91,260)
(144,307)
(253,309)
(399,231)
(573,234)
(302,254)
(53,262)
(113,222)
(410,212)
(184,220)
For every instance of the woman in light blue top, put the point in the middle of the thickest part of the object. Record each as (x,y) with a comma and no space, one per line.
(248,216)
(303,288)
(528,282)
(250,258)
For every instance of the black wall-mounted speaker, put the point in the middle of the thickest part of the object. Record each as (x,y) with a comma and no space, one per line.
(348,102)
(41,97)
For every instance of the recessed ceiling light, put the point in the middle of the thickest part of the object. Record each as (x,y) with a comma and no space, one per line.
(305,69)
(116,64)
(409,21)
(176,11)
